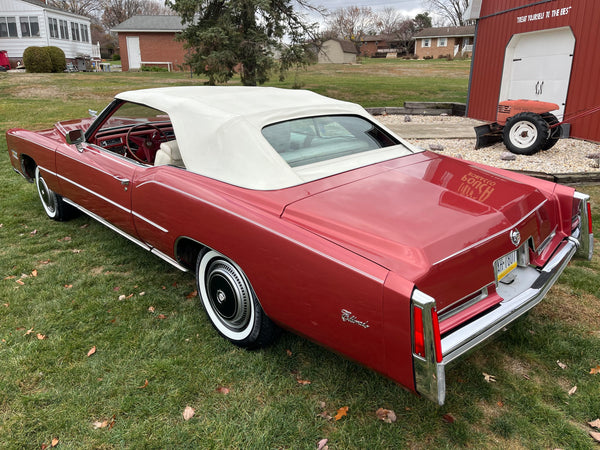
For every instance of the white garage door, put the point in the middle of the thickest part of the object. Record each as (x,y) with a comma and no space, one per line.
(133,52)
(537,66)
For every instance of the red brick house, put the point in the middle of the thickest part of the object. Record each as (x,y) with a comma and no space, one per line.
(444,41)
(379,45)
(150,41)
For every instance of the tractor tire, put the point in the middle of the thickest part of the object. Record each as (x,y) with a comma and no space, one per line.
(525,133)
(554,132)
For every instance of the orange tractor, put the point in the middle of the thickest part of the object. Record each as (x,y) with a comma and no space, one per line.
(525,126)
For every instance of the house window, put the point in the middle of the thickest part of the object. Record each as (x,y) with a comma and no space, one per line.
(84,33)
(75,31)
(442,42)
(426,43)
(53,27)
(64,29)
(30,27)
(8,27)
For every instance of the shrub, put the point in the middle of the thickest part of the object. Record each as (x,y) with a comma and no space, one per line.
(154,69)
(57,56)
(37,60)
(116,57)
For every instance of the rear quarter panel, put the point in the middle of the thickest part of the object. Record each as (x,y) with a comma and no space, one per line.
(302,281)
(39,146)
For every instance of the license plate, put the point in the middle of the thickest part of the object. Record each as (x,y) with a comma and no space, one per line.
(503,266)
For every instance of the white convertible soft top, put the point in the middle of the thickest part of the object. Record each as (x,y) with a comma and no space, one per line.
(218,130)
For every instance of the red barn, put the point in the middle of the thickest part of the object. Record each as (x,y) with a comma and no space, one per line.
(545,50)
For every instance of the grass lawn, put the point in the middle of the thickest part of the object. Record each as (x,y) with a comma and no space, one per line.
(68,288)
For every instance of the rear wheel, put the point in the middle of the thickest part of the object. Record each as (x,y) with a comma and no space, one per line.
(230,302)
(53,204)
(554,132)
(525,133)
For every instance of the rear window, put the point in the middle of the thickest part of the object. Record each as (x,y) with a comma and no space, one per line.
(315,139)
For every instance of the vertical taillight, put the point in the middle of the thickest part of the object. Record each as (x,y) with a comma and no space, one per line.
(437,339)
(419,338)
(589,214)
(426,333)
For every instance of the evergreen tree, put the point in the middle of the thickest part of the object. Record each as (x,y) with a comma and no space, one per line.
(244,35)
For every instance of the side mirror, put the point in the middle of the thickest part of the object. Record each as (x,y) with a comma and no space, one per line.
(75,137)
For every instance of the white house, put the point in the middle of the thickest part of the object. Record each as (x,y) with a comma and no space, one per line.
(26,23)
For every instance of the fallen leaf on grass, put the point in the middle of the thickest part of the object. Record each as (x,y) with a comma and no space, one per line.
(572,390)
(343,411)
(161,316)
(303,382)
(105,423)
(10,277)
(144,386)
(34,273)
(325,415)
(595,370)
(6,304)
(595,423)
(387,415)
(19,281)
(489,378)
(91,351)
(188,413)
(448,418)
(68,286)
(192,294)
(222,390)
(322,444)
(34,232)
(563,366)
(595,435)
(65,239)
(289,352)
(54,442)
(151,309)
(41,337)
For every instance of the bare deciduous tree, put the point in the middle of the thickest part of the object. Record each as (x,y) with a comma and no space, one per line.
(352,22)
(115,12)
(389,20)
(453,11)
(82,7)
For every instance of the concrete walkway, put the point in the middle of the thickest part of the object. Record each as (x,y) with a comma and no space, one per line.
(411,130)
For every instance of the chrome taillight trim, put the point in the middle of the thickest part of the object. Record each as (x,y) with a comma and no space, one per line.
(582,233)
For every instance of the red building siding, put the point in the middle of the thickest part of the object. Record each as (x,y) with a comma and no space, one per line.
(155,47)
(501,19)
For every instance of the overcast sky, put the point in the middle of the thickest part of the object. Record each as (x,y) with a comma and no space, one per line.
(408,7)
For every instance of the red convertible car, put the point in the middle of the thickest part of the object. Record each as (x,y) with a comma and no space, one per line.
(299,211)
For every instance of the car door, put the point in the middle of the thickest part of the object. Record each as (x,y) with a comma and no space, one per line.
(99,181)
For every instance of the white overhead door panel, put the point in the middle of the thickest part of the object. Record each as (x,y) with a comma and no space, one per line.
(537,66)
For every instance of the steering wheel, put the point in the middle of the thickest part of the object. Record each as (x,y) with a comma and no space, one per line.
(148,144)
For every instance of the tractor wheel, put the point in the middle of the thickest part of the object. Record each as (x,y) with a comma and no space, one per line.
(525,133)
(554,132)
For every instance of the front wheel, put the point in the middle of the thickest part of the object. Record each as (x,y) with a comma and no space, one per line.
(525,133)
(53,204)
(230,302)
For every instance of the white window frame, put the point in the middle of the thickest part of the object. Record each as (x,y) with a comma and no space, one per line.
(442,42)
(426,43)
(13,20)
(53,27)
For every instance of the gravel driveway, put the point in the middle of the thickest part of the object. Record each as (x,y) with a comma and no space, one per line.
(567,156)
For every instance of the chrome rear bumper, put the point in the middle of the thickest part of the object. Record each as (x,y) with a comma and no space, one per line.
(531,288)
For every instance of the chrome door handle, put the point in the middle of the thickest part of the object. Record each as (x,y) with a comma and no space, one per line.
(123,181)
